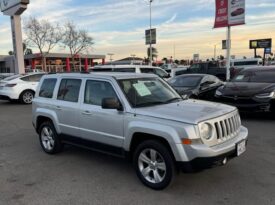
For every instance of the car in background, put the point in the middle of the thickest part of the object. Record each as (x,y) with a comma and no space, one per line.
(198,86)
(240,64)
(178,71)
(20,87)
(30,70)
(5,75)
(132,69)
(237,12)
(251,90)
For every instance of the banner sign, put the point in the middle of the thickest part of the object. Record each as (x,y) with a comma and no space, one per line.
(260,43)
(7,4)
(229,13)
(153,36)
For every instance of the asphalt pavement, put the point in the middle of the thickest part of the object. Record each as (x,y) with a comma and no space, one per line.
(28,176)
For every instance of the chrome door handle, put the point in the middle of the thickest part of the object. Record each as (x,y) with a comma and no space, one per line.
(86,113)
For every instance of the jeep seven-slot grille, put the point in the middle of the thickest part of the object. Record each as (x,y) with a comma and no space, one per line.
(227,128)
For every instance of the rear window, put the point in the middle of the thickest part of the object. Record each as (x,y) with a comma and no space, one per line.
(69,90)
(101,70)
(47,88)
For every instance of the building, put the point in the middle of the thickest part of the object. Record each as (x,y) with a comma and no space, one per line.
(128,61)
(53,62)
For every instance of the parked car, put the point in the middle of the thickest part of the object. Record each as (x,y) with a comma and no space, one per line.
(137,116)
(211,68)
(132,69)
(30,70)
(178,71)
(20,87)
(251,90)
(5,75)
(198,86)
(237,12)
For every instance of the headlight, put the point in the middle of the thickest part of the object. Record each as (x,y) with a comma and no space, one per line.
(206,131)
(266,95)
(218,93)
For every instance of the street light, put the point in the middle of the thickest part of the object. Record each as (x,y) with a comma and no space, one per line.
(111,54)
(151,55)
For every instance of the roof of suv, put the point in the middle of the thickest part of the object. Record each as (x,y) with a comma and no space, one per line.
(124,66)
(116,75)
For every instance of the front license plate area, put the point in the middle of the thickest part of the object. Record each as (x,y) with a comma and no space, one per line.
(241,147)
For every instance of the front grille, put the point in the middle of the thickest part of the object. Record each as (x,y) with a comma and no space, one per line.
(227,128)
(236,100)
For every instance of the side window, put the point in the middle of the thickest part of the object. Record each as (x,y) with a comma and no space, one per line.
(69,90)
(47,88)
(127,70)
(161,73)
(147,70)
(96,91)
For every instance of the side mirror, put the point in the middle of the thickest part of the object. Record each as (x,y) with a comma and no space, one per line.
(111,103)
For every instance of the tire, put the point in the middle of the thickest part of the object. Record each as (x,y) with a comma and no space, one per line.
(49,139)
(155,160)
(26,97)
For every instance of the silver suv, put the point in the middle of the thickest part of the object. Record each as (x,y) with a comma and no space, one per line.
(137,116)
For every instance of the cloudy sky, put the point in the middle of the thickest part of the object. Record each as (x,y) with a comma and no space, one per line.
(183,26)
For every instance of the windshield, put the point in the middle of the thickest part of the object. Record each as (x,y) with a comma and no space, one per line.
(190,81)
(260,76)
(145,92)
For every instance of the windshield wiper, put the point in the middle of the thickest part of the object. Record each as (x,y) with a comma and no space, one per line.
(149,103)
(172,100)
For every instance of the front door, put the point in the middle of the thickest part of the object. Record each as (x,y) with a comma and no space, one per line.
(97,124)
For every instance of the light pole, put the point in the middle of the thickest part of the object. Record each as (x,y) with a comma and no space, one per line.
(133,58)
(110,54)
(151,55)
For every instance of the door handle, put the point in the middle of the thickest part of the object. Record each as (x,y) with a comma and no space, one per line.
(58,108)
(86,113)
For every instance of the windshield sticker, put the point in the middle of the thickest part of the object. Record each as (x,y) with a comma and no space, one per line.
(239,77)
(142,89)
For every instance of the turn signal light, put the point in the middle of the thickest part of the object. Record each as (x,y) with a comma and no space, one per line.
(10,85)
(186,141)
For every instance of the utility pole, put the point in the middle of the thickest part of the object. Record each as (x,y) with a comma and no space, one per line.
(111,59)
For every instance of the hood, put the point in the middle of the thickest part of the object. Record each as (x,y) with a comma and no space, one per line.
(245,89)
(187,111)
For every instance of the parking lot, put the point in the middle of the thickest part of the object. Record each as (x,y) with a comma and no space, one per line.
(29,176)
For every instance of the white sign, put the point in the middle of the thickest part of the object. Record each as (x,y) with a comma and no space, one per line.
(236,12)
(7,4)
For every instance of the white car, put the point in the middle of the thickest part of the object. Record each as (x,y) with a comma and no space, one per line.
(20,87)
(132,69)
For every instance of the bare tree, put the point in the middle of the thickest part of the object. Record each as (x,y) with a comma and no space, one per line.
(76,40)
(42,35)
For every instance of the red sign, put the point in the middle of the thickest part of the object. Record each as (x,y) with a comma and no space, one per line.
(221,13)
(229,13)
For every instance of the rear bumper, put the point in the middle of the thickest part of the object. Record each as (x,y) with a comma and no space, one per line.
(8,95)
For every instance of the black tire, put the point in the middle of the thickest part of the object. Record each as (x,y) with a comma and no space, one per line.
(163,156)
(56,144)
(26,97)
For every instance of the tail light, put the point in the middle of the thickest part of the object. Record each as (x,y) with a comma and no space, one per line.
(10,85)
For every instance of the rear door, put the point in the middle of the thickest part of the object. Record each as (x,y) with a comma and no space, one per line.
(67,106)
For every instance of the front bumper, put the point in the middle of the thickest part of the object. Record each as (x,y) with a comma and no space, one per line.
(201,154)
(249,104)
